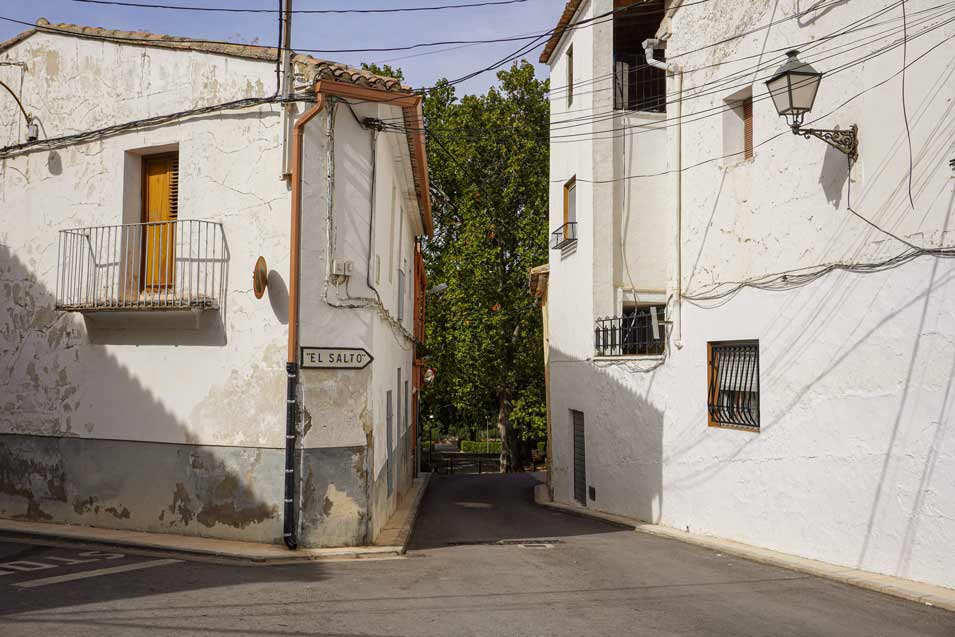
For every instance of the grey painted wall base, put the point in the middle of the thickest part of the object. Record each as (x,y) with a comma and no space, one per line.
(232,493)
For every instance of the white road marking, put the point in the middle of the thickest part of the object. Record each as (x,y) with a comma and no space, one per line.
(26,565)
(68,560)
(101,571)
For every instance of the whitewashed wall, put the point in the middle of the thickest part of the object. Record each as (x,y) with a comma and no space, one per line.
(347,408)
(223,384)
(855,460)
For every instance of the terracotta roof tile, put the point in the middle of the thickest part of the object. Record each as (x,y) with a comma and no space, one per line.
(312,68)
(569,10)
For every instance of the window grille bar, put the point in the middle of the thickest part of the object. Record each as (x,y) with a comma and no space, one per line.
(146,265)
(563,236)
(734,384)
(637,85)
(630,335)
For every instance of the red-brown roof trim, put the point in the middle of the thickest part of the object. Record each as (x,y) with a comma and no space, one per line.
(569,10)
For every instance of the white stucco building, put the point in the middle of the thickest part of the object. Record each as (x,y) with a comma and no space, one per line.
(143,385)
(776,370)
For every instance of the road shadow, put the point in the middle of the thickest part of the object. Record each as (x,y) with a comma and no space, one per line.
(488,508)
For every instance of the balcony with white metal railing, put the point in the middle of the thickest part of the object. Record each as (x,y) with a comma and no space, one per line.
(167,265)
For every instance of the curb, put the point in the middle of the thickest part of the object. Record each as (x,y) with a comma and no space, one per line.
(399,529)
(895,586)
(214,550)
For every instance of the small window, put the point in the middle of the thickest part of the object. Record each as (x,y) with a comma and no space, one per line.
(748,127)
(570,201)
(733,384)
(640,331)
(401,295)
(570,75)
(738,127)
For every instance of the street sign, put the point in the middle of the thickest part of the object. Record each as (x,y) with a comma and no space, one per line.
(335,358)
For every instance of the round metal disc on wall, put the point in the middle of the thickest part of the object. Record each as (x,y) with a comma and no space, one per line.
(260,277)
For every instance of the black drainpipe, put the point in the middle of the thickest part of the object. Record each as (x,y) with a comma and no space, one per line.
(291,418)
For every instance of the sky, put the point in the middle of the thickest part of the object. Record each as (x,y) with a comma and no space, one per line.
(329,31)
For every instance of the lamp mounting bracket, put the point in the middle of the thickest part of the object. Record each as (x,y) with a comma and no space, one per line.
(845,141)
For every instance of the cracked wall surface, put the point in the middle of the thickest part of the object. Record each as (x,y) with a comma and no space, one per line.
(855,460)
(141,423)
(220,384)
(197,409)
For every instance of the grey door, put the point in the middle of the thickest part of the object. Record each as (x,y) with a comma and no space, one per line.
(389,438)
(580,458)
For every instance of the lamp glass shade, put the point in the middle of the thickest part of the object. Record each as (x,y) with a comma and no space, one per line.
(794,87)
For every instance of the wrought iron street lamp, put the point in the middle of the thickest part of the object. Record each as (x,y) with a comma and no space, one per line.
(793,89)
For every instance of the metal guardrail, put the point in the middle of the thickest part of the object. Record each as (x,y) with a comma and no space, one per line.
(564,235)
(642,332)
(160,265)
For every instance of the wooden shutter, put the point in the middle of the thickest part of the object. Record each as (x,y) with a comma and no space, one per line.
(748,128)
(160,211)
(174,187)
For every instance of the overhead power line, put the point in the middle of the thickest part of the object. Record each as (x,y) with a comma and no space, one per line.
(139,40)
(769,139)
(178,7)
(712,111)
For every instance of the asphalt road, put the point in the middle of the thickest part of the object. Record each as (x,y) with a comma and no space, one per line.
(485,561)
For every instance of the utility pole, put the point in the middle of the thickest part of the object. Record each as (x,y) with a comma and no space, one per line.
(287,81)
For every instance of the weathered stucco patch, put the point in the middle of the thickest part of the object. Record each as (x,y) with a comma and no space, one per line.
(230,505)
(181,506)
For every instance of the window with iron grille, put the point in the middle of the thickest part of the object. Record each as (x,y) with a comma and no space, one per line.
(733,384)
(640,331)
(637,85)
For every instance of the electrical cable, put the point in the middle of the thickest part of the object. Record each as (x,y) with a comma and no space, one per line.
(701,114)
(278,53)
(723,107)
(777,135)
(139,5)
(905,114)
(116,129)
(798,277)
(868,221)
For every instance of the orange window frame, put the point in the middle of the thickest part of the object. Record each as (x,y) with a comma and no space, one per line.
(570,185)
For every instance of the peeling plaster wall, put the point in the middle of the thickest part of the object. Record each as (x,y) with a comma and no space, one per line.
(345,410)
(221,492)
(217,390)
(855,460)
(222,384)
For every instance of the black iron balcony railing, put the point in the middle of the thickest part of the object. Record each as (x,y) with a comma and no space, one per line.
(641,332)
(563,236)
(164,265)
(637,86)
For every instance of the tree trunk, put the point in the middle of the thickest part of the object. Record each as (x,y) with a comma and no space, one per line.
(510,450)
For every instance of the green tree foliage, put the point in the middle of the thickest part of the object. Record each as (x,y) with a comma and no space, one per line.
(488,157)
(488,161)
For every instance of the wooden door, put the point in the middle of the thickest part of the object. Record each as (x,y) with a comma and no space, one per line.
(160,210)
